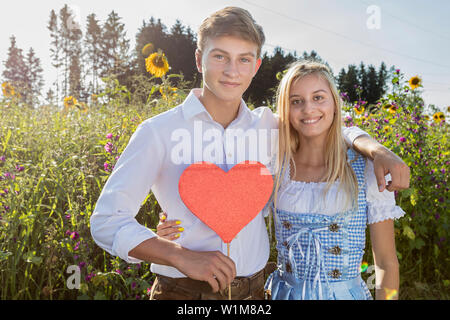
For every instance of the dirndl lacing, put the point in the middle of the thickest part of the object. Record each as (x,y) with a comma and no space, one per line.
(314,244)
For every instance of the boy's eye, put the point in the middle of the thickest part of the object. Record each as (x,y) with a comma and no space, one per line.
(245,60)
(219,57)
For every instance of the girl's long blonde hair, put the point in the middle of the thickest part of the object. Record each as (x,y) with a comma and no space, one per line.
(336,162)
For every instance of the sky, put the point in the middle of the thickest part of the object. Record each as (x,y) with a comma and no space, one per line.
(412,35)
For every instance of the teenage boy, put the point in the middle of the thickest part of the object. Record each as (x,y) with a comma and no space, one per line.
(195,266)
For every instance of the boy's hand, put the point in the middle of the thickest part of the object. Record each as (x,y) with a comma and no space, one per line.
(168,229)
(384,162)
(210,266)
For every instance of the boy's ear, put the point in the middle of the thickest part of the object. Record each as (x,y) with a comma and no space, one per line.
(258,64)
(198,60)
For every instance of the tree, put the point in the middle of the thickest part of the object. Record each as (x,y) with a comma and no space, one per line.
(92,41)
(15,68)
(114,47)
(55,49)
(34,79)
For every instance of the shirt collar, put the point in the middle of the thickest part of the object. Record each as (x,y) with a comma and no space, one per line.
(193,107)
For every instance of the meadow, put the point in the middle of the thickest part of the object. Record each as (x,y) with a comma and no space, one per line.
(55,161)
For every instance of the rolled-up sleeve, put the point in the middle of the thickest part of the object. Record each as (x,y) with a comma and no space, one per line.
(113,224)
(351,133)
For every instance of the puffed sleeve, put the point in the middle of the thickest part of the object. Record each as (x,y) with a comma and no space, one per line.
(380,205)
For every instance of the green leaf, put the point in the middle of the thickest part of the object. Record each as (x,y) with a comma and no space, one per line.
(100,296)
(407,231)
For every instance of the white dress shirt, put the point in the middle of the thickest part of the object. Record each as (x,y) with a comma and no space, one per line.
(158,152)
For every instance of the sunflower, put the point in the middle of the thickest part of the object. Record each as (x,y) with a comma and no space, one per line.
(168,91)
(438,117)
(70,102)
(387,129)
(386,107)
(148,49)
(157,64)
(8,89)
(392,109)
(415,82)
(359,109)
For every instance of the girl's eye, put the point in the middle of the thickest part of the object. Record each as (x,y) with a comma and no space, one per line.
(294,102)
(318,98)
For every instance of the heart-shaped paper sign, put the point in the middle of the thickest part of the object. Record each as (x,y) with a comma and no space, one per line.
(226,201)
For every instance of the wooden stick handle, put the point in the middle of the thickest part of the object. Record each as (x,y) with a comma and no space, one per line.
(229,285)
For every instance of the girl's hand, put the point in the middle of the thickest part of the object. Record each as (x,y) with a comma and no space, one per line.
(168,229)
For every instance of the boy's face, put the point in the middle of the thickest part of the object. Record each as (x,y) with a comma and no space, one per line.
(228,65)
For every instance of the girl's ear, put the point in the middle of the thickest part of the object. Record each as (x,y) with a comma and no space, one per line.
(198,60)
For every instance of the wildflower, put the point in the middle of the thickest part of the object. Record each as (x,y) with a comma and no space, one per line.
(8,90)
(157,64)
(133,285)
(387,129)
(397,71)
(167,90)
(148,49)
(108,147)
(2,158)
(386,107)
(414,82)
(392,109)
(76,246)
(74,235)
(70,102)
(82,264)
(109,136)
(402,139)
(19,168)
(106,166)
(438,117)
(118,271)
(359,109)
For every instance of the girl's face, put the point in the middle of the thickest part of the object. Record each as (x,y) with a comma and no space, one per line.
(311,106)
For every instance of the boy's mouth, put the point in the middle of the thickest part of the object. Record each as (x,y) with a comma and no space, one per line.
(229,84)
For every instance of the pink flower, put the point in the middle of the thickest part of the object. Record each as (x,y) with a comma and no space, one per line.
(402,139)
(109,135)
(108,147)
(106,166)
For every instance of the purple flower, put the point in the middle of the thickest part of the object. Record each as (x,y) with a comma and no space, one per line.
(119,271)
(109,135)
(133,285)
(108,147)
(89,276)
(74,235)
(75,257)
(397,70)
(117,158)
(67,216)
(6,208)
(76,246)
(2,158)
(402,139)
(82,264)
(441,199)
(437,216)
(443,170)
(106,165)
(19,168)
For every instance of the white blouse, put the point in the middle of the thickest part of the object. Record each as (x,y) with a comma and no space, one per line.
(307,197)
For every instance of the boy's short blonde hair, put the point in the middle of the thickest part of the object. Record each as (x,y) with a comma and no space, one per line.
(231,21)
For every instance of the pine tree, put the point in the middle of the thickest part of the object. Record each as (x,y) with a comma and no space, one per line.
(34,78)
(93,46)
(16,69)
(373,91)
(363,81)
(115,46)
(55,50)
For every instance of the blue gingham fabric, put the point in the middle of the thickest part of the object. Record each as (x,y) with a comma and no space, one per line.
(319,252)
